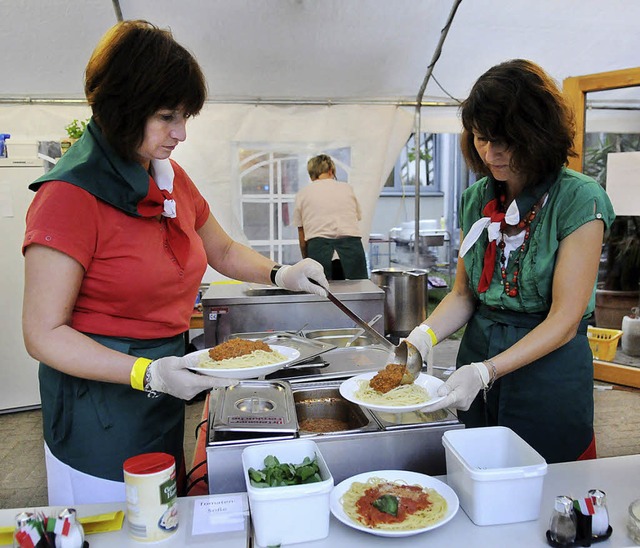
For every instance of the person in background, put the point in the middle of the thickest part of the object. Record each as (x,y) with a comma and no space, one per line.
(117,241)
(531,233)
(327,214)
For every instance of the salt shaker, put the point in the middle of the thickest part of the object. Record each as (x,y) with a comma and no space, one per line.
(600,518)
(75,535)
(562,527)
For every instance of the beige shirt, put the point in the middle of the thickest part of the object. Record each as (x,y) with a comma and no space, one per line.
(327,208)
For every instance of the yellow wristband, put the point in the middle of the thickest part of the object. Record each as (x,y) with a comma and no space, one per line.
(429,331)
(137,373)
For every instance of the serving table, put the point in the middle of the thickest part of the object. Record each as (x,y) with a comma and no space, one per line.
(618,477)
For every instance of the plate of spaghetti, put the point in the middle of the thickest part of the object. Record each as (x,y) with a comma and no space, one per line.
(241,359)
(393,503)
(404,398)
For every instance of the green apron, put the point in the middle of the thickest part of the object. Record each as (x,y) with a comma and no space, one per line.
(95,426)
(350,251)
(549,403)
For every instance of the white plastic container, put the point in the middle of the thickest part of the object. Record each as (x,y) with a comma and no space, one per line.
(21,149)
(497,476)
(294,513)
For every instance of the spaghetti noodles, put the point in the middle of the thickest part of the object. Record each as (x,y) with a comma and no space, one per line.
(405,394)
(240,354)
(418,507)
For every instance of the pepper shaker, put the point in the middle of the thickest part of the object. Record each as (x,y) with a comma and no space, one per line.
(600,518)
(74,537)
(562,527)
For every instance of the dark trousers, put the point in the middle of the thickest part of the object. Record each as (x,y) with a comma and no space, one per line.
(350,252)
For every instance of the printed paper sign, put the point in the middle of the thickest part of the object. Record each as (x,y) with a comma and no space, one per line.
(217,514)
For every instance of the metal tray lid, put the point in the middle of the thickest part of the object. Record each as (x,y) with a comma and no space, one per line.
(414,419)
(255,406)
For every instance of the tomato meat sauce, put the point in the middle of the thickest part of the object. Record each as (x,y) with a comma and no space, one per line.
(411,499)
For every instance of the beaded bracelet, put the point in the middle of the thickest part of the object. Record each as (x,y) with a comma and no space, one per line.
(147,384)
(494,374)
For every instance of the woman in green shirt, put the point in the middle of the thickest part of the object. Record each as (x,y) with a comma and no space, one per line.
(531,238)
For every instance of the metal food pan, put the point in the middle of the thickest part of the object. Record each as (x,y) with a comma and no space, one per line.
(341,337)
(324,401)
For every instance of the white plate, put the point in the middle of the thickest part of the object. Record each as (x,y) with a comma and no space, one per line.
(243,372)
(412,478)
(349,387)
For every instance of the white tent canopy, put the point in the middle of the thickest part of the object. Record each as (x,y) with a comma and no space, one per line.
(310,71)
(326,50)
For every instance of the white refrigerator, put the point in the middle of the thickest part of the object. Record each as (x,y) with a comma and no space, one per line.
(18,371)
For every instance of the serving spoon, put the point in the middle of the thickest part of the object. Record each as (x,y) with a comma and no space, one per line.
(405,353)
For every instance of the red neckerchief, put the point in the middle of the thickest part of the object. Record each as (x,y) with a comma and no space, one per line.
(153,204)
(495,212)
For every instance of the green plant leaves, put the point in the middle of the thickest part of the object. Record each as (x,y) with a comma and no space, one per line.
(275,474)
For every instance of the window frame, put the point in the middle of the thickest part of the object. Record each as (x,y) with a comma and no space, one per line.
(274,246)
(432,186)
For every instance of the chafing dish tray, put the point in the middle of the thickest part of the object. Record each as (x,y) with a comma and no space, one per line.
(343,363)
(261,289)
(342,338)
(253,410)
(322,411)
(413,419)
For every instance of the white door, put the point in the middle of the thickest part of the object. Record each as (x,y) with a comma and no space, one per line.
(18,371)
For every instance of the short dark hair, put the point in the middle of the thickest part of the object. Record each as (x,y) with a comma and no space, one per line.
(135,70)
(518,103)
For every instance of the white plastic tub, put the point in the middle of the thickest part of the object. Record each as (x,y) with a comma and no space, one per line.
(497,476)
(290,514)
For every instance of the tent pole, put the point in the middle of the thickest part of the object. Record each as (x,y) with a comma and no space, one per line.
(27,100)
(416,133)
(117,9)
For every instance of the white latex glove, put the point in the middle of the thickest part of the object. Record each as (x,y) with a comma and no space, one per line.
(424,343)
(462,387)
(298,277)
(170,376)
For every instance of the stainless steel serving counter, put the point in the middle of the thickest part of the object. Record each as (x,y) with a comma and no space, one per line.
(371,441)
(238,308)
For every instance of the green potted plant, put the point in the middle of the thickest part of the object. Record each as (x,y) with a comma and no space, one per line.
(74,130)
(619,277)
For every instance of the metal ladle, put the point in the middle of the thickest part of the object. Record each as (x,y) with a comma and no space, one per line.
(405,353)
(359,332)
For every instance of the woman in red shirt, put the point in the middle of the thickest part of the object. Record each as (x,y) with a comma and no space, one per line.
(117,241)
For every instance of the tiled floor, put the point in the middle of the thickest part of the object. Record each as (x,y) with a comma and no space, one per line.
(22,472)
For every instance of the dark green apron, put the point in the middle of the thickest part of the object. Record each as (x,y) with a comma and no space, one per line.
(549,403)
(95,426)
(350,251)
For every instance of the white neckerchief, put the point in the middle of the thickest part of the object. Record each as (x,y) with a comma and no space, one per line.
(511,217)
(162,172)
(511,242)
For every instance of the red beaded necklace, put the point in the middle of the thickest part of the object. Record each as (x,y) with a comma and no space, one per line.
(511,287)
